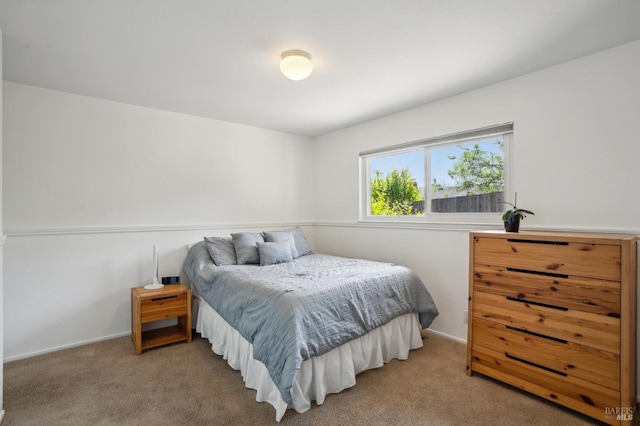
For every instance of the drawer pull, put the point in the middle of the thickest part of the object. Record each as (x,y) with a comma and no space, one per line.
(545,305)
(533,364)
(546,274)
(555,243)
(164,298)
(520,330)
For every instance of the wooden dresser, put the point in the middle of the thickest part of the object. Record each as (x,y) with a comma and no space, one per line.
(554,314)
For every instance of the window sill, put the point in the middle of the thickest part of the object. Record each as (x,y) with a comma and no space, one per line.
(461,226)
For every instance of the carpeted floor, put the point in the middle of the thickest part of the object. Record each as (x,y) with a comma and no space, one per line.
(187,384)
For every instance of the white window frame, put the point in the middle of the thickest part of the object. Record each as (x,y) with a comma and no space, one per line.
(505,130)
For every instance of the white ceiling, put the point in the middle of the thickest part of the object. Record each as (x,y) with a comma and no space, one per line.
(219,59)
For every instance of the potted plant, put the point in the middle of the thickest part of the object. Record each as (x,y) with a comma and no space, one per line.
(512,217)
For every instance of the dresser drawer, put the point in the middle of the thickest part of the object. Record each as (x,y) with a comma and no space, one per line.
(585,328)
(562,258)
(585,396)
(555,355)
(583,294)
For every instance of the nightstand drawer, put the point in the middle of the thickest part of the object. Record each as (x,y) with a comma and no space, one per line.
(163,314)
(550,256)
(163,307)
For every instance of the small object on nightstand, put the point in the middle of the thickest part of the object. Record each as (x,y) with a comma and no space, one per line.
(170,301)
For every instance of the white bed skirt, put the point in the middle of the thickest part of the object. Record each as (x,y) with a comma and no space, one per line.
(329,373)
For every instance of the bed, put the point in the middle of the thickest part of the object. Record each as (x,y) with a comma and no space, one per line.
(300,325)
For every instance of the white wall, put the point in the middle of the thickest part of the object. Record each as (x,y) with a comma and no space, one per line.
(576,157)
(75,161)
(2,242)
(91,185)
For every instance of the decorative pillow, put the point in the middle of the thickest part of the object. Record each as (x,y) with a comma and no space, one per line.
(274,252)
(282,237)
(301,241)
(221,250)
(245,245)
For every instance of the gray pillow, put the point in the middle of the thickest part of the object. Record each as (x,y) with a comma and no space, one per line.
(221,250)
(282,237)
(301,241)
(274,252)
(245,245)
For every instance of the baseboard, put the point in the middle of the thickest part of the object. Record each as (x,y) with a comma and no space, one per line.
(446,336)
(71,345)
(1,416)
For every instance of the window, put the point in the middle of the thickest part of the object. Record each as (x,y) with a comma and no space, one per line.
(454,177)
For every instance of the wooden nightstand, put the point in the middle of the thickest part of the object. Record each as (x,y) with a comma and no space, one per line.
(171,301)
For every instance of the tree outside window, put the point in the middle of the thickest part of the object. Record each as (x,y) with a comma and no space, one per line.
(467,177)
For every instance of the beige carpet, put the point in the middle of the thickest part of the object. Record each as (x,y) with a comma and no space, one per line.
(187,384)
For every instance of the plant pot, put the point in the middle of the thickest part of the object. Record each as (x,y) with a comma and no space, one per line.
(512,224)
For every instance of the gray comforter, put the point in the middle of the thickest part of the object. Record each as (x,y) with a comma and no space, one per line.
(293,311)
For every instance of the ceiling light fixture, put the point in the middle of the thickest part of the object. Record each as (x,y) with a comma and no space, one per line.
(296,65)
